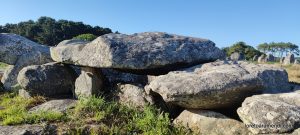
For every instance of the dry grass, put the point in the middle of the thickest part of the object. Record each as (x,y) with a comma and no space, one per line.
(293,72)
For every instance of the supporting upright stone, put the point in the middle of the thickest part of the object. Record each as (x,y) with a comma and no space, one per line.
(89,83)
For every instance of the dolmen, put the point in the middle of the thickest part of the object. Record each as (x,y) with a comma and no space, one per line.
(187,77)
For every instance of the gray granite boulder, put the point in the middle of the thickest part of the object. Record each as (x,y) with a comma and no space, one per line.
(237,56)
(61,106)
(274,78)
(208,86)
(218,84)
(90,82)
(262,58)
(281,60)
(139,52)
(296,62)
(255,58)
(289,59)
(205,122)
(270,58)
(133,95)
(50,80)
(28,130)
(271,113)
(20,52)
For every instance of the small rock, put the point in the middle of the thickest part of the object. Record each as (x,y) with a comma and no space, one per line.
(204,122)
(133,95)
(25,130)
(61,105)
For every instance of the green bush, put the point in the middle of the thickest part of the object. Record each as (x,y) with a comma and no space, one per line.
(243,48)
(86,37)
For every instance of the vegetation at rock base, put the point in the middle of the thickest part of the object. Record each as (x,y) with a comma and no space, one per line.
(86,37)
(49,31)
(110,117)
(243,48)
(3,65)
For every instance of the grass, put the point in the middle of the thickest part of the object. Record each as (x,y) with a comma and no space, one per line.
(14,110)
(110,117)
(3,65)
(293,72)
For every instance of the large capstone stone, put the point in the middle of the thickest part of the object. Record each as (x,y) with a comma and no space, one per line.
(50,80)
(146,52)
(219,84)
(205,122)
(89,83)
(20,52)
(207,86)
(271,113)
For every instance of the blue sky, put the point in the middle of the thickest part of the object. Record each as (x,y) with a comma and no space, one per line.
(222,21)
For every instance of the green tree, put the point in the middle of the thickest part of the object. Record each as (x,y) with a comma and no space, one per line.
(243,48)
(279,48)
(86,37)
(50,32)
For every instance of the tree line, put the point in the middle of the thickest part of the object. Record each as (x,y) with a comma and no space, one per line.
(241,47)
(49,31)
(279,49)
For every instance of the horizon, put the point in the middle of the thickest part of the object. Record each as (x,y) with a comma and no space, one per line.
(225,23)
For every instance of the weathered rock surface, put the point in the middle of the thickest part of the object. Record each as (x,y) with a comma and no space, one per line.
(141,51)
(289,59)
(89,83)
(279,113)
(281,60)
(25,130)
(237,56)
(274,79)
(206,122)
(296,62)
(270,58)
(262,58)
(255,58)
(60,105)
(20,52)
(207,86)
(51,79)
(1,74)
(133,95)
(219,84)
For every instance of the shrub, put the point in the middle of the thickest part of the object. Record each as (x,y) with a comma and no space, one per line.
(86,37)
